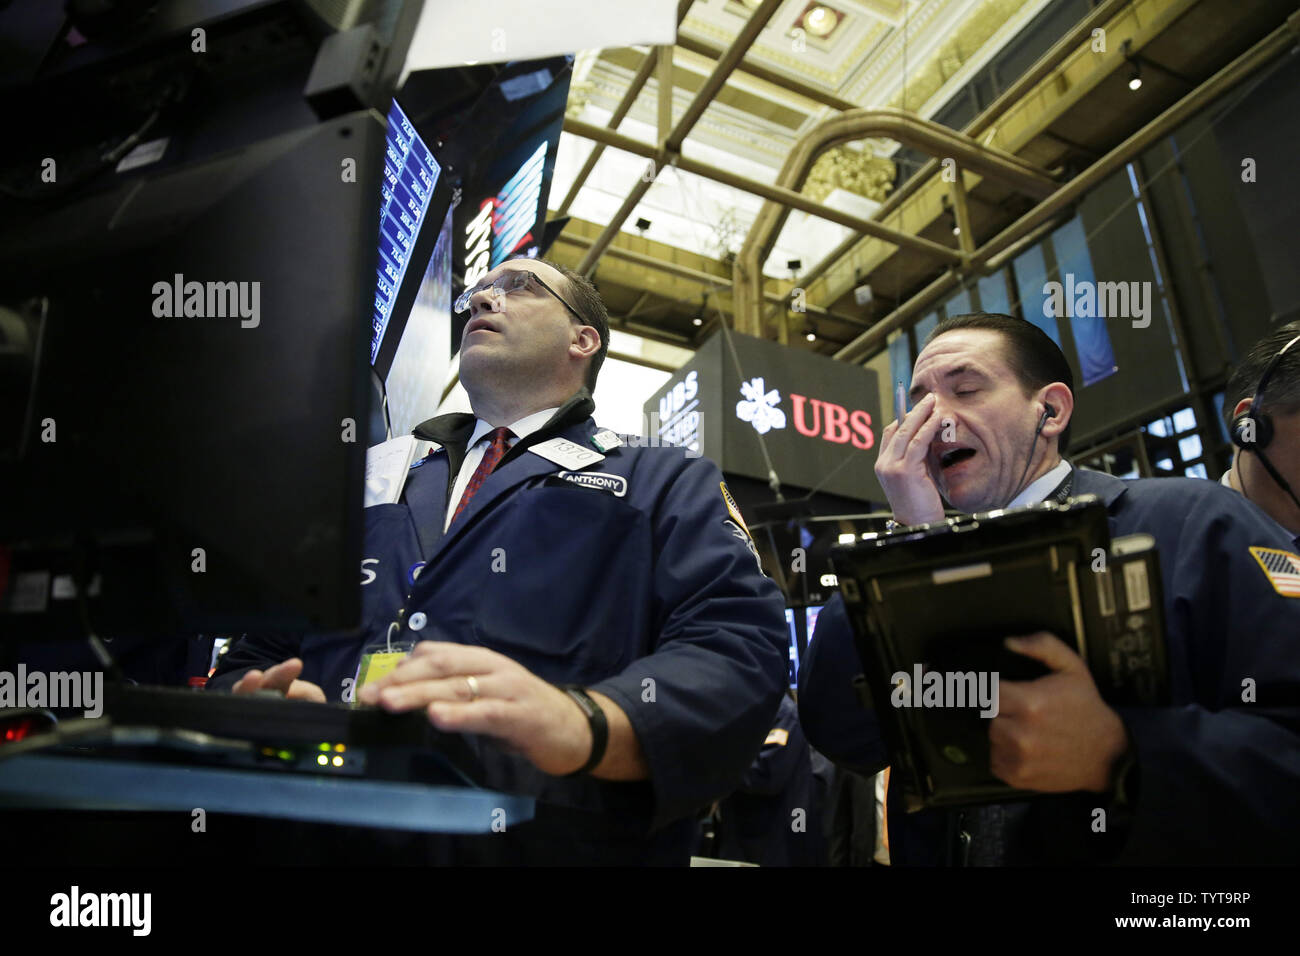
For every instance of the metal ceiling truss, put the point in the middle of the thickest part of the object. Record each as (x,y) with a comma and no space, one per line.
(971,155)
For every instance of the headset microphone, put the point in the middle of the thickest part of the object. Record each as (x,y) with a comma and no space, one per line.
(1252,430)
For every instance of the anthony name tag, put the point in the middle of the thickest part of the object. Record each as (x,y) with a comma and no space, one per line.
(567,454)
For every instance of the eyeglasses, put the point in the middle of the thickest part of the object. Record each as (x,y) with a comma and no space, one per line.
(516,280)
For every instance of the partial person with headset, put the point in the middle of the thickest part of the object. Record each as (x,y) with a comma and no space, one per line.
(1262,402)
(1212,778)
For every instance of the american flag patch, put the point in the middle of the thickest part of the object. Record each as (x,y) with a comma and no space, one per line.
(1282,569)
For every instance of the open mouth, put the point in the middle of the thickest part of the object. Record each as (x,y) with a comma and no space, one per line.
(478,325)
(955,457)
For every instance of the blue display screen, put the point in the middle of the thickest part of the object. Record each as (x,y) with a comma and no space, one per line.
(794,647)
(410,174)
(810,616)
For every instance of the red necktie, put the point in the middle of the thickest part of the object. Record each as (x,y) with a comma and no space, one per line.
(491,458)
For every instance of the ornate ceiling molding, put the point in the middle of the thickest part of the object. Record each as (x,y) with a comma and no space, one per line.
(854,170)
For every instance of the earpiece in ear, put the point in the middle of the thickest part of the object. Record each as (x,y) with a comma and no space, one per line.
(1051,412)
(1251,431)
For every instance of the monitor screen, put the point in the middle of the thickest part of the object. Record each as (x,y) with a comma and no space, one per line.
(810,616)
(519,206)
(794,646)
(415,381)
(410,175)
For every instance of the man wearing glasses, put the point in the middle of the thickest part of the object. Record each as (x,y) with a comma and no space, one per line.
(594,610)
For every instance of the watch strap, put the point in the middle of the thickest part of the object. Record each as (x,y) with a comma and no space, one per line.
(599,726)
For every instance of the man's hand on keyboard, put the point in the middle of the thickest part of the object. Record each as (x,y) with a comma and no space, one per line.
(283,677)
(479,691)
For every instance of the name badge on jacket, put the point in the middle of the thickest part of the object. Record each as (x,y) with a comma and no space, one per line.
(616,485)
(567,454)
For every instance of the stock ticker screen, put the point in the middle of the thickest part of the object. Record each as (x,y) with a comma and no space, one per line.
(410,174)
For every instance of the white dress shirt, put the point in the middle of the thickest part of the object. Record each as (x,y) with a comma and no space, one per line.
(1040,488)
(477,448)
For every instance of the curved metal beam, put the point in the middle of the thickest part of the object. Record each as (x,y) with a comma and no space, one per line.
(1097,17)
(907,128)
(910,130)
(999,250)
(1049,61)
(776,195)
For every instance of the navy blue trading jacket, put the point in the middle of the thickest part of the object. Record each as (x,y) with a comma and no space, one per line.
(758,823)
(653,597)
(1218,780)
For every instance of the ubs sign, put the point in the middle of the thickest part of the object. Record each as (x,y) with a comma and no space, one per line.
(815,419)
(762,409)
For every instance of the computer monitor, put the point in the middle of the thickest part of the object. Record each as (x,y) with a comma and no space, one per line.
(792,631)
(193,328)
(799,623)
(810,621)
(411,177)
(418,373)
(411,339)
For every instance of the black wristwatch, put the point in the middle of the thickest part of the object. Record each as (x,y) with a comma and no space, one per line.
(599,726)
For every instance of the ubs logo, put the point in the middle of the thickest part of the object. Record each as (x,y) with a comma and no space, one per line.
(831,422)
(813,417)
(760,407)
(676,399)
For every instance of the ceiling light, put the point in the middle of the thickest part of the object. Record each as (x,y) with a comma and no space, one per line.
(811,336)
(820,20)
(861,290)
(952,217)
(1134,70)
(698,320)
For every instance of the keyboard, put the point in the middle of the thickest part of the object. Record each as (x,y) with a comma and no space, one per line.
(295,735)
